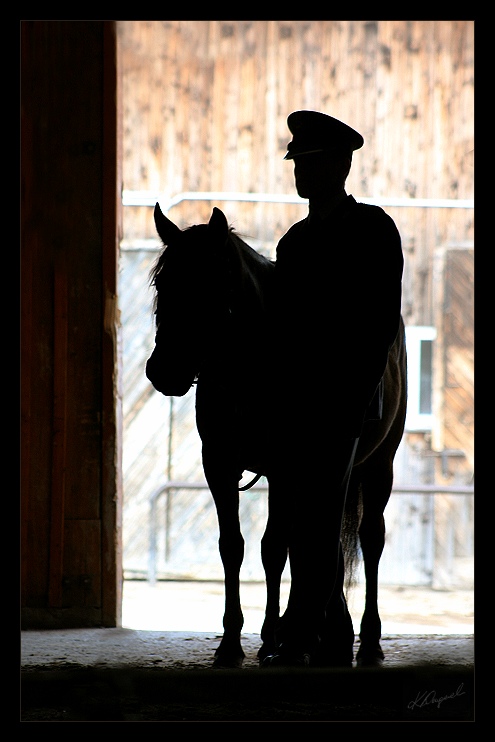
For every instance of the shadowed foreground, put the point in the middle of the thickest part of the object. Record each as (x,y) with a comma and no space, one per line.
(122,675)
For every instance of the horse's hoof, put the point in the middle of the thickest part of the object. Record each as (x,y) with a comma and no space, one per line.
(229,654)
(225,658)
(369,661)
(278,660)
(228,663)
(265,651)
(286,657)
(373,657)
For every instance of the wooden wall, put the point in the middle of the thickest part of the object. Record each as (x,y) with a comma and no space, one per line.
(70,428)
(205,109)
(206,104)
(454,360)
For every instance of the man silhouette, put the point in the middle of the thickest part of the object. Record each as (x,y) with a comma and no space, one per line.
(336,312)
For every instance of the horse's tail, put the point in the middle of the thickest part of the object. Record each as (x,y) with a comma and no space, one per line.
(350,533)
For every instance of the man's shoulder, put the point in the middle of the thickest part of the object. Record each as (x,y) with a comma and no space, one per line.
(293,232)
(370,216)
(370,211)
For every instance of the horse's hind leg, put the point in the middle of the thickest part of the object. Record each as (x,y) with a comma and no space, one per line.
(376,487)
(274,558)
(337,633)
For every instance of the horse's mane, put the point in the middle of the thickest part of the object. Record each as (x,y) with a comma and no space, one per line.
(250,277)
(163,256)
(248,269)
(168,250)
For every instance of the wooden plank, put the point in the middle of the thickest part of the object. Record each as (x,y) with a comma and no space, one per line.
(59,436)
(110,561)
(84,571)
(27,338)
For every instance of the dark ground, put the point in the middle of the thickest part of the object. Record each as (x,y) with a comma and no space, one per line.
(124,675)
(151,671)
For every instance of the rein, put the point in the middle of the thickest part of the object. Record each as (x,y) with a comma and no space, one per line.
(251,483)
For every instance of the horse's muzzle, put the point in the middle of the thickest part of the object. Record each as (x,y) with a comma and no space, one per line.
(171,382)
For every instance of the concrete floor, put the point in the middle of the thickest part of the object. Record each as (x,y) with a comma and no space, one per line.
(149,671)
(158,623)
(125,675)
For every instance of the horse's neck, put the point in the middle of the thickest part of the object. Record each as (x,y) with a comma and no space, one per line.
(250,280)
(233,362)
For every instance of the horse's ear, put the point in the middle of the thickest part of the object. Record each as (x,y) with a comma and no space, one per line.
(218,224)
(167,230)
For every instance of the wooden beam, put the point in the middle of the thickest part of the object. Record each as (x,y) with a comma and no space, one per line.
(59,437)
(111,485)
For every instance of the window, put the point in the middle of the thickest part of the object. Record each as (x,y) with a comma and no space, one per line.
(419,341)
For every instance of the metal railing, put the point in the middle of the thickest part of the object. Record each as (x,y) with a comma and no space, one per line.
(149,198)
(167,487)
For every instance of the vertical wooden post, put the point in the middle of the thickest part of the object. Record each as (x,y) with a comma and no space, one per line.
(59,437)
(111,495)
(26,412)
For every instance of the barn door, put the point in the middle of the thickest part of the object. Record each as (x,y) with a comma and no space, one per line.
(70,423)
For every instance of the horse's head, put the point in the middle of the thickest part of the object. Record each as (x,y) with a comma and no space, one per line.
(191,300)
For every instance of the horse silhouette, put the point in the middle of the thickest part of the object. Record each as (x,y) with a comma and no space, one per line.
(211,295)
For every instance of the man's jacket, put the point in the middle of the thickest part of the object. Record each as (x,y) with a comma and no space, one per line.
(336,311)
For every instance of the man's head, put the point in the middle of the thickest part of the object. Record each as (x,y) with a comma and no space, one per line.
(321,148)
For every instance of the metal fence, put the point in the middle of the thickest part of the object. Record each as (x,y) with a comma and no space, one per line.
(165,490)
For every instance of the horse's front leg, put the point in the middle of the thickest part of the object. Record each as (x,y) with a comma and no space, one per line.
(231,547)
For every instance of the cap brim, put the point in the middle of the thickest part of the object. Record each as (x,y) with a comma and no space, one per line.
(291,155)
